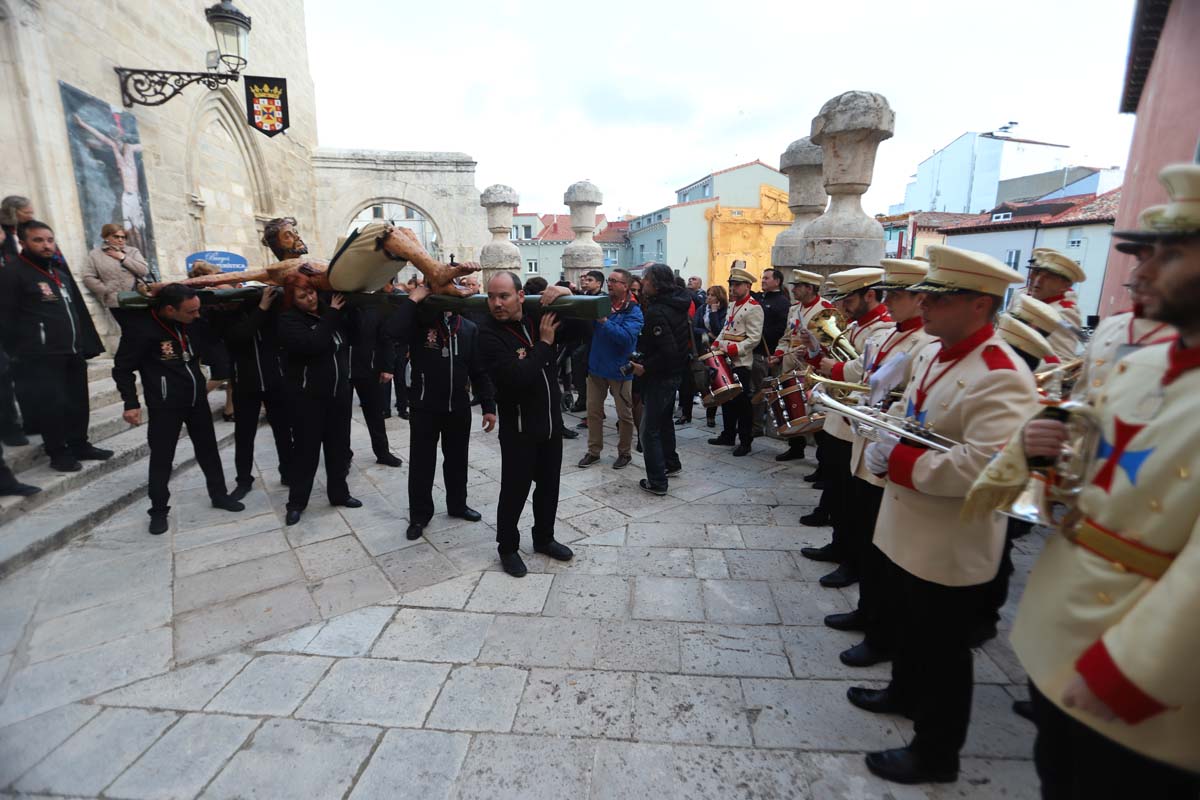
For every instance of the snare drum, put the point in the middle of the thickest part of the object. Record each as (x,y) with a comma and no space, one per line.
(723,384)
(788,412)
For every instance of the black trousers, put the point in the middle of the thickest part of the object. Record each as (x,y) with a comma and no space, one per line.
(579,369)
(453,428)
(248,402)
(162,432)
(372,402)
(837,499)
(996,594)
(524,462)
(9,421)
(932,671)
(319,424)
(737,417)
(687,394)
(54,394)
(399,383)
(876,595)
(7,478)
(1075,762)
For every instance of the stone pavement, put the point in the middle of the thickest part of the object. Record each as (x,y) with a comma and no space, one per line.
(681,654)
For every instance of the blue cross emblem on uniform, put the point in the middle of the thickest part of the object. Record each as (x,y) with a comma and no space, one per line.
(912,413)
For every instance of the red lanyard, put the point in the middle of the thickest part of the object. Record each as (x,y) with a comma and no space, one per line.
(736,308)
(926,385)
(1145,336)
(886,351)
(523,336)
(181,337)
(52,275)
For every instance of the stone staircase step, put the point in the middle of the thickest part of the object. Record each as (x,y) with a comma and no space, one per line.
(72,503)
(99,368)
(103,424)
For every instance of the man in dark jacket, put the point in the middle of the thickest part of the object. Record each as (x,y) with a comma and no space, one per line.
(157,344)
(46,329)
(591,283)
(372,356)
(518,353)
(776,305)
(665,345)
(445,361)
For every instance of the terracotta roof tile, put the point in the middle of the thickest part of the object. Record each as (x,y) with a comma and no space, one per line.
(1025,214)
(1102,209)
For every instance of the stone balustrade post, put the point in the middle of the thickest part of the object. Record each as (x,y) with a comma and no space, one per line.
(801,163)
(583,254)
(500,253)
(848,129)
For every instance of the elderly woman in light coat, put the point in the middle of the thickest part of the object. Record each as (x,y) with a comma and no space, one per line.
(114,267)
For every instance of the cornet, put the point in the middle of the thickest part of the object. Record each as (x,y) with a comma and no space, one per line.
(1059,479)
(829,326)
(868,422)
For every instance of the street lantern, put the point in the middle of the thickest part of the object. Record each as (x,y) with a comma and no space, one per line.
(153,87)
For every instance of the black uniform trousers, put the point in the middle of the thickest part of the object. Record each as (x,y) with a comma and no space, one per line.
(876,595)
(425,429)
(1075,762)
(162,432)
(399,383)
(372,402)
(9,422)
(248,402)
(737,417)
(54,394)
(836,497)
(997,589)
(524,462)
(932,673)
(320,424)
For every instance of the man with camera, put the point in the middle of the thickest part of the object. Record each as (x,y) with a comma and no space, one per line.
(665,346)
(613,339)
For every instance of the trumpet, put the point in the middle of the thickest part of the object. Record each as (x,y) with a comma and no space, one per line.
(841,388)
(868,422)
(829,326)
(1060,479)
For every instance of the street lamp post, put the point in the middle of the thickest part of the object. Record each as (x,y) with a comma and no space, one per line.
(153,87)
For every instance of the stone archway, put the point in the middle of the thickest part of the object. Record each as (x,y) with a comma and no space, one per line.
(402,213)
(229,188)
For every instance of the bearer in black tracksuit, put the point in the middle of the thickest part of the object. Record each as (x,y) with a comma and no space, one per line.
(257,366)
(444,351)
(519,356)
(159,346)
(314,339)
(372,360)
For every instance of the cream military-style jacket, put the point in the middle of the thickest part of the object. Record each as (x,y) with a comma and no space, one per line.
(742,332)
(1064,343)
(793,346)
(907,339)
(1114,338)
(978,393)
(861,331)
(1134,638)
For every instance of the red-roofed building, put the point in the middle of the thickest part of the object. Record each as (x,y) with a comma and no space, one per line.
(541,238)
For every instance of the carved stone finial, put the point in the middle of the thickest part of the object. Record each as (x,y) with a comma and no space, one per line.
(583,254)
(500,253)
(801,163)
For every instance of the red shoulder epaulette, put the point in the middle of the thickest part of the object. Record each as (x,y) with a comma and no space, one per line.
(754,302)
(1067,303)
(995,357)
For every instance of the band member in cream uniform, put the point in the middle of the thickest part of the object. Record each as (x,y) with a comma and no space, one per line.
(1051,278)
(863,304)
(738,340)
(891,357)
(792,350)
(973,389)
(1108,627)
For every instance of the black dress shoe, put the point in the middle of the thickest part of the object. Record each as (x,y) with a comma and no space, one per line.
(293,516)
(742,449)
(827,553)
(820,486)
(813,476)
(840,578)
(877,701)
(389,460)
(467,513)
(816,518)
(415,531)
(580,405)
(387,415)
(348,502)
(65,464)
(227,503)
(513,564)
(981,633)
(864,654)
(158,522)
(242,489)
(1023,708)
(90,452)
(570,433)
(726,441)
(901,765)
(15,439)
(849,621)
(790,454)
(556,550)
(402,413)
(18,489)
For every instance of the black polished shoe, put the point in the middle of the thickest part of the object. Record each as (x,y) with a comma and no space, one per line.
(877,701)
(293,516)
(556,550)
(813,476)
(227,503)
(348,502)
(840,578)
(1023,708)
(65,464)
(415,531)
(467,513)
(89,452)
(158,522)
(569,433)
(901,765)
(826,553)
(791,454)
(242,489)
(816,518)
(742,449)
(389,460)
(864,654)
(848,621)
(820,486)
(15,439)
(513,564)
(402,413)
(17,489)
(980,634)
(723,440)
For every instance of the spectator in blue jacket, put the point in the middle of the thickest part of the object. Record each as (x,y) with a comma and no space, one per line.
(614,339)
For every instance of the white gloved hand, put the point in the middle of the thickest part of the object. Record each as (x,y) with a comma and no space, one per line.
(814,347)
(879,453)
(887,377)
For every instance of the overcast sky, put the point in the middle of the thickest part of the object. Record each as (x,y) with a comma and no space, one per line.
(642,98)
